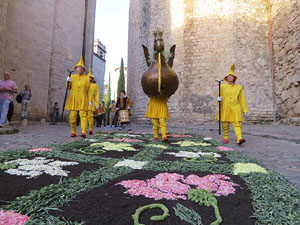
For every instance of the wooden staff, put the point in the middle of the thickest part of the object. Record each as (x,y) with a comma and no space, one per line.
(219,81)
(63,109)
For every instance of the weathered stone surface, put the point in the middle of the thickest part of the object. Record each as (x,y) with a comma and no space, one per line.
(286,42)
(209,36)
(40,40)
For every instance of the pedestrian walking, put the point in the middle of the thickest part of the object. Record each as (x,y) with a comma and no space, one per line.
(112,112)
(55,112)
(26,95)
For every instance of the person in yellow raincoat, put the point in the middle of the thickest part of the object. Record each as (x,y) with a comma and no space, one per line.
(78,100)
(158,111)
(94,96)
(233,105)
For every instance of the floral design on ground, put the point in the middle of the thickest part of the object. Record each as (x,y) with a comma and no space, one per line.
(92,140)
(100,148)
(173,186)
(186,154)
(157,146)
(37,166)
(12,218)
(131,163)
(120,147)
(180,135)
(191,143)
(128,135)
(207,138)
(240,168)
(125,140)
(224,149)
(40,150)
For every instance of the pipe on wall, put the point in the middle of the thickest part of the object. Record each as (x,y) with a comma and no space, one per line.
(272,60)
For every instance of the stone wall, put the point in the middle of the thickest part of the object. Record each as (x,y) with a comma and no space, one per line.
(42,40)
(3,14)
(99,72)
(209,36)
(286,45)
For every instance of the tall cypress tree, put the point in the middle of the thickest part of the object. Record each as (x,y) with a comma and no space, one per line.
(108,99)
(121,81)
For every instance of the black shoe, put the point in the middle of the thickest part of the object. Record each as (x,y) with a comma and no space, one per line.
(241,141)
(83,135)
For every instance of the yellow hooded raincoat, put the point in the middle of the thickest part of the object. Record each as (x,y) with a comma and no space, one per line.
(79,87)
(93,94)
(233,103)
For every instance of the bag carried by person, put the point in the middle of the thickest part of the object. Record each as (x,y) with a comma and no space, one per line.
(19,98)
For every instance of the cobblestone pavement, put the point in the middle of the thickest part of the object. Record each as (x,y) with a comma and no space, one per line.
(276,146)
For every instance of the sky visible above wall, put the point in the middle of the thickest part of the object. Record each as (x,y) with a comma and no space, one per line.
(111,28)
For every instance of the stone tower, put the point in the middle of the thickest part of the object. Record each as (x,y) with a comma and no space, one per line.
(40,40)
(209,35)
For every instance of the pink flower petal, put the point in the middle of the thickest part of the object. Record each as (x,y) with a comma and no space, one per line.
(223,148)
(173,186)
(12,218)
(40,150)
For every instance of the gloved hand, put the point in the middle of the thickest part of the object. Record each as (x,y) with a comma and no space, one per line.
(90,103)
(68,78)
(97,106)
(219,98)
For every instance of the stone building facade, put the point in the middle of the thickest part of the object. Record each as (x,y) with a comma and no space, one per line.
(39,41)
(99,63)
(209,36)
(286,41)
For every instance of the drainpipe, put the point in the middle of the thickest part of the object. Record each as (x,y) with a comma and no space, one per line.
(272,61)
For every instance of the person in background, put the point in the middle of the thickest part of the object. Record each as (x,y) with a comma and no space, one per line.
(233,106)
(10,111)
(26,95)
(112,112)
(55,112)
(7,90)
(101,117)
(124,103)
(94,96)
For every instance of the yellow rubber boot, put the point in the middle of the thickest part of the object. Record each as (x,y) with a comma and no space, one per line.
(155,123)
(83,120)
(225,126)
(73,120)
(237,126)
(91,120)
(163,127)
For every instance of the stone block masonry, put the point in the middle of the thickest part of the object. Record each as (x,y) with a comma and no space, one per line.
(209,37)
(41,40)
(286,40)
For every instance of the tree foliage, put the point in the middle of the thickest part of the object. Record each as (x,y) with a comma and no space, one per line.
(121,81)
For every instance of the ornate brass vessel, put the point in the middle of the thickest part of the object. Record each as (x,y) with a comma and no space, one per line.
(159,78)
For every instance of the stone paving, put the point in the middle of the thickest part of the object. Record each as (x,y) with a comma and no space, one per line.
(276,146)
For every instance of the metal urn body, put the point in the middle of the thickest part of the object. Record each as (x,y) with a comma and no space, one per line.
(169,79)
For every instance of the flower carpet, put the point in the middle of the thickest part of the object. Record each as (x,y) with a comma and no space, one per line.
(128,178)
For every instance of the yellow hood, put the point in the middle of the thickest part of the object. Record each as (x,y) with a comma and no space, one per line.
(80,63)
(231,72)
(91,75)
